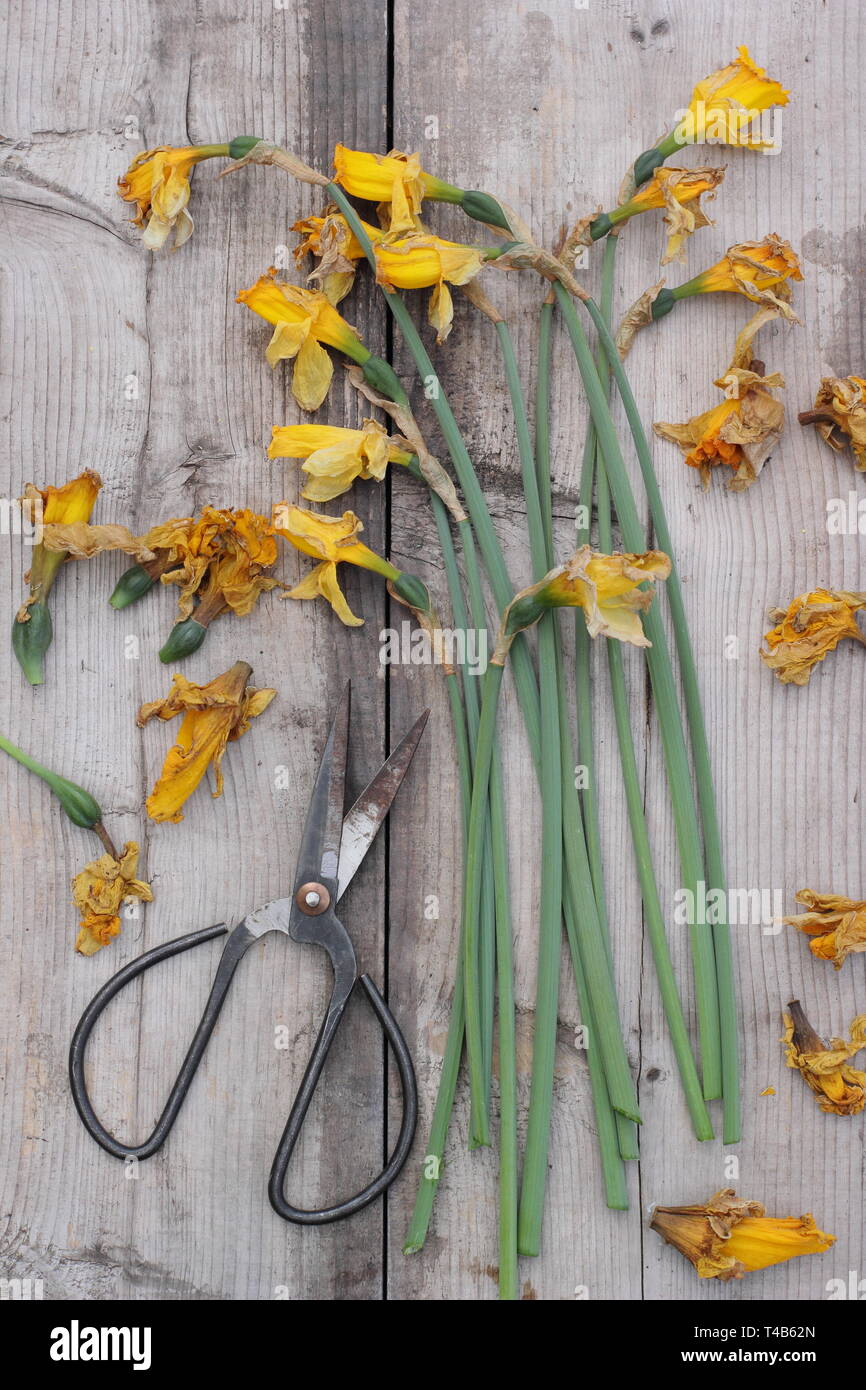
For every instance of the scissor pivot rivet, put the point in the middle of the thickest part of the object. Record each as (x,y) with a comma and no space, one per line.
(313,898)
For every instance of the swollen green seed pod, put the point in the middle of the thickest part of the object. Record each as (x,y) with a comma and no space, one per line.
(78,804)
(31,640)
(132,585)
(184,639)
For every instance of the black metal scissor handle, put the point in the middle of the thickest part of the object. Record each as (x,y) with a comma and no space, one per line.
(291,1133)
(235,947)
(238,943)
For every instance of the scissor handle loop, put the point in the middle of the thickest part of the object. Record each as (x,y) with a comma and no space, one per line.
(308,1085)
(238,942)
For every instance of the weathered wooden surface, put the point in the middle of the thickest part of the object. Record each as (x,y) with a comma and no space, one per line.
(545,104)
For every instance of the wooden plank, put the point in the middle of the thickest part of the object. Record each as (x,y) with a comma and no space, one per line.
(546,106)
(90,308)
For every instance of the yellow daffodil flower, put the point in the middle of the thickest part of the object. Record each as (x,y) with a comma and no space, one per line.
(678,192)
(332,540)
(157,181)
(760,270)
(724,105)
(728,1237)
(841,1089)
(302,321)
(332,242)
(812,625)
(606,587)
(98,892)
(743,429)
(336,457)
(840,415)
(213,715)
(837,925)
(395,180)
(421,262)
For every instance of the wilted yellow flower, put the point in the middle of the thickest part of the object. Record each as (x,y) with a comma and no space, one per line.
(333,243)
(743,429)
(67,505)
(760,270)
(824,1066)
(396,181)
(335,457)
(836,924)
(840,415)
(724,105)
(303,320)
(332,540)
(604,586)
(728,1237)
(678,191)
(217,560)
(425,261)
(157,181)
(213,715)
(98,892)
(812,625)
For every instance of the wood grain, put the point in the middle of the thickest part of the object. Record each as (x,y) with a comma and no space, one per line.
(545,104)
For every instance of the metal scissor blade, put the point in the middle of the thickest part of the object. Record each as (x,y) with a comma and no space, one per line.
(362,822)
(319,855)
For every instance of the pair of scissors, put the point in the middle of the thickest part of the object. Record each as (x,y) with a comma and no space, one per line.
(332,849)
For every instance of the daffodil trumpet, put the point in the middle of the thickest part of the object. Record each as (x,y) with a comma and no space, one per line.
(399,185)
(728,1237)
(676,192)
(759,270)
(32,630)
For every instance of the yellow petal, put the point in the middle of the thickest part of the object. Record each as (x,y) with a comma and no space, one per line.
(323,581)
(312,375)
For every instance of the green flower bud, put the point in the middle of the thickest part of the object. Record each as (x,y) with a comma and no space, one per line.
(132,585)
(184,639)
(242,144)
(382,377)
(600,226)
(31,640)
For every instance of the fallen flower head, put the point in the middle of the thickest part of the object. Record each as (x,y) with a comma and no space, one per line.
(728,1237)
(72,503)
(841,1090)
(743,429)
(812,625)
(836,925)
(334,457)
(609,589)
(213,715)
(840,415)
(98,893)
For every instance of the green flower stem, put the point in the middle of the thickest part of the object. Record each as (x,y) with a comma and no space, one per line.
(508,1156)
(476,505)
(550,928)
(617,1136)
(716,878)
(472,879)
(664,687)
(634,798)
